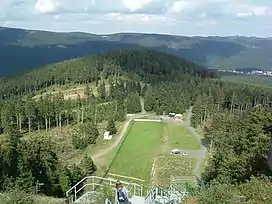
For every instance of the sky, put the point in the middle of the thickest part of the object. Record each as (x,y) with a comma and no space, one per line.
(178,17)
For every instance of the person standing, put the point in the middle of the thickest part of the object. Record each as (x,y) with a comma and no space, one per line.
(122,193)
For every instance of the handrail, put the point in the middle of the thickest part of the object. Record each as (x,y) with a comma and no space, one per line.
(154,187)
(171,195)
(95,181)
(107,201)
(127,187)
(101,178)
(151,196)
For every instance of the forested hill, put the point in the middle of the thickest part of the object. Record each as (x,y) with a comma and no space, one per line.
(147,65)
(232,115)
(30,49)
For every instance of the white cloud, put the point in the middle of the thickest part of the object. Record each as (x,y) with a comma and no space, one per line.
(185,17)
(133,5)
(260,10)
(244,14)
(46,6)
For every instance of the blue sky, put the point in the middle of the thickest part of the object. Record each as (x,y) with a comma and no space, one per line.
(181,17)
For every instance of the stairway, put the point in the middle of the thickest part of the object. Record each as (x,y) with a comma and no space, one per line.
(92,189)
(137,200)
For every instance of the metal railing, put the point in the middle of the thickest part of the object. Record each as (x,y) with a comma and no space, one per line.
(170,195)
(158,194)
(94,183)
(107,201)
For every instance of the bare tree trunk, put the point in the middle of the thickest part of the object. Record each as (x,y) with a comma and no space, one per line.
(60,119)
(17,120)
(231,105)
(29,124)
(20,122)
(67,118)
(46,124)
(205,115)
(38,126)
(82,114)
(78,115)
(255,102)
(56,118)
(49,123)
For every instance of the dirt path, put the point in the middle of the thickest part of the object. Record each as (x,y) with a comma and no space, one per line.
(142,104)
(198,154)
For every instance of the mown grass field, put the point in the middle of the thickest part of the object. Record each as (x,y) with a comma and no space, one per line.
(173,166)
(141,146)
(179,137)
(256,80)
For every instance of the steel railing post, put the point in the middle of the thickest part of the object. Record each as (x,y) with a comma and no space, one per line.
(93,183)
(75,194)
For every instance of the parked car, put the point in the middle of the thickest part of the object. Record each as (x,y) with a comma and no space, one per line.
(186,154)
(175,151)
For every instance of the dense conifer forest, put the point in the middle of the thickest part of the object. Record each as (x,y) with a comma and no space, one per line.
(232,115)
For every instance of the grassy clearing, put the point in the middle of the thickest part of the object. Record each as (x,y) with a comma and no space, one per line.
(141,146)
(69,91)
(73,90)
(248,79)
(179,137)
(173,166)
(62,140)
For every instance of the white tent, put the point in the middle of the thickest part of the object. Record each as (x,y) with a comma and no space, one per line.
(107,135)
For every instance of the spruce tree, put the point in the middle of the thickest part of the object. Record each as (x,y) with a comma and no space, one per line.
(88,165)
(111,127)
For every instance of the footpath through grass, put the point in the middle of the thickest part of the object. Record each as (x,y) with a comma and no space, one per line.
(179,137)
(141,146)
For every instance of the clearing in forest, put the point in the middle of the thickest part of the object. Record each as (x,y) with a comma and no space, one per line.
(180,138)
(141,146)
(69,91)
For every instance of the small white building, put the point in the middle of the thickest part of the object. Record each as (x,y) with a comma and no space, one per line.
(107,135)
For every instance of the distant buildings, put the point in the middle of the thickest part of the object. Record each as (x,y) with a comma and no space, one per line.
(252,72)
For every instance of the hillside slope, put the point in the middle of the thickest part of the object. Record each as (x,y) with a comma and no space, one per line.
(29,49)
(148,65)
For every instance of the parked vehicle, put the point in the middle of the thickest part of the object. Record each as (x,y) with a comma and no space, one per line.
(175,151)
(186,154)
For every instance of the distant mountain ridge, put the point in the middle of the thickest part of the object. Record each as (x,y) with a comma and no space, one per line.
(21,50)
